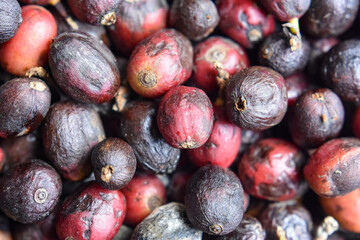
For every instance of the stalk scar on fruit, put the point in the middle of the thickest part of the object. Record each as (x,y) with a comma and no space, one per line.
(292,31)
(221,78)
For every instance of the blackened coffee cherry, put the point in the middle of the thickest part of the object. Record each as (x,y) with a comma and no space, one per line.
(256,98)
(10,18)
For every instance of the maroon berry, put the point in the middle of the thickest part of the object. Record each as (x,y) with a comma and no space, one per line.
(177,186)
(221,50)
(285,10)
(271,169)
(24,103)
(244,22)
(114,163)
(84,68)
(91,213)
(223,144)
(356,122)
(296,84)
(185,117)
(95,11)
(256,98)
(10,17)
(317,117)
(333,169)
(135,21)
(143,194)
(196,19)
(160,62)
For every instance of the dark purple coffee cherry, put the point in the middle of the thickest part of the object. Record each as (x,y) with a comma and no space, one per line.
(24,103)
(114,163)
(256,98)
(10,19)
(285,10)
(30,191)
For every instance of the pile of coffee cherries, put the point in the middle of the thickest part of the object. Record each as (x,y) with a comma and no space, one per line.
(179,119)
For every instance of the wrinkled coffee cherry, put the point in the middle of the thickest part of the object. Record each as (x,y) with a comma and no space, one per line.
(10,18)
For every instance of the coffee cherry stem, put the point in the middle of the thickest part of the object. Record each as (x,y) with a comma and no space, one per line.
(292,31)
(221,78)
(327,227)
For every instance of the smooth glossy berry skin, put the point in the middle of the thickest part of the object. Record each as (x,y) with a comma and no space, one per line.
(256,98)
(271,169)
(221,50)
(318,116)
(285,10)
(333,168)
(185,117)
(327,18)
(30,46)
(10,18)
(143,194)
(160,62)
(196,19)
(135,21)
(244,22)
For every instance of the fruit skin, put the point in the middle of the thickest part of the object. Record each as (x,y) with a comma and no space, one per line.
(95,11)
(196,19)
(160,62)
(339,68)
(139,128)
(332,169)
(285,10)
(318,116)
(24,102)
(296,84)
(91,213)
(244,22)
(275,52)
(10,18)
(69,133)
(223,144)
(114,163)
(356,122)
(256,98)
(30,191)
(345,209)
(156,225)
(271,169)
(30,46)
(214,200)
(327,18)
(185,117)
(220,49)
(84,68)
(143,194)
(135,21)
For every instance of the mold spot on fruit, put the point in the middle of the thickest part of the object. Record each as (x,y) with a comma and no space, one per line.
(147,78)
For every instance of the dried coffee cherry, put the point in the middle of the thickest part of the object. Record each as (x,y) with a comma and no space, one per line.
(285,10)
(10,18)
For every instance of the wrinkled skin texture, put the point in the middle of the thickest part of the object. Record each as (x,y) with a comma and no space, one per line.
(214,200)
(244,22)
(135,21)
(10,19)
(333,170)
(256,98)
(327,18)
(284,10)
(70,132)
(114,163)
(167,222)
(276,53)
(220,49)
(138,127)
(94,11)
(30,46)
(318,116)
(24,103)
(30,191)
(345,209)
(84,68)
(340,70)
(271,169)
(196,19)
(249,229)
(185,117)
(292,217)
(91,213)
(143,194)
(160,62)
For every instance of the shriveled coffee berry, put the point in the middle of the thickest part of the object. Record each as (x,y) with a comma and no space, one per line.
(333,169)
(256,98)
(185,117)
(285,10)
(10,18)
(114,163)
(30,191)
